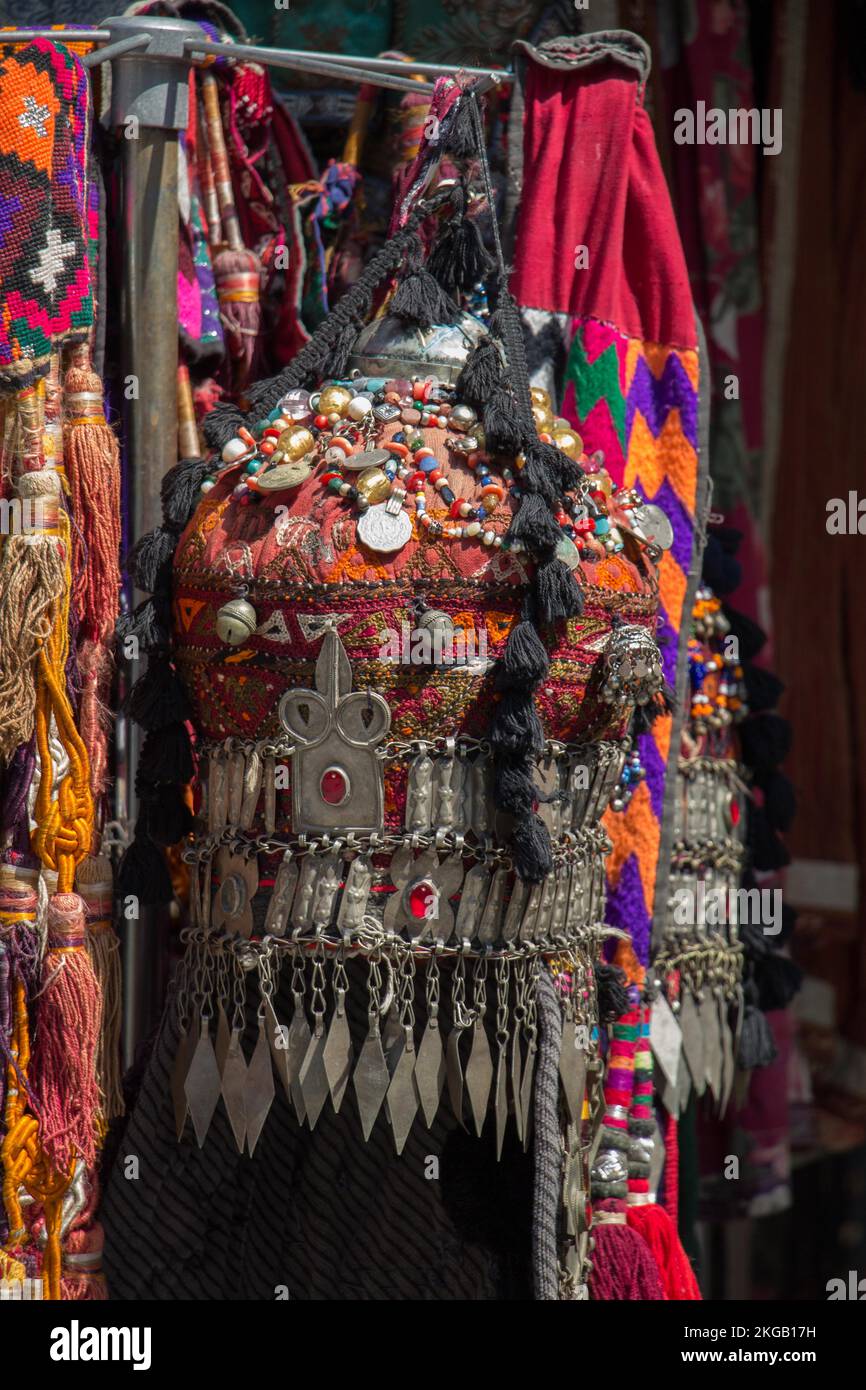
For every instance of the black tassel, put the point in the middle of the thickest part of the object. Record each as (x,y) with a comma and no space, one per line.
(150,560)
(457,135)
(613,1000)
(166,756)
(535,477)
(561,472)
(459,260)
(143,873)
(515,725)
(180,489)
(763,688)
(766,850)
(557,591)
(778,980)
(719,569)
(530,845)
(158,697)
(515,791)
(535,526)
(503,431)
(780,800)
(222,424)
(419,299)
(148,624)
(525,660)
(765,741)
(757,1048)
(750,636)
(166,816)
(481,374)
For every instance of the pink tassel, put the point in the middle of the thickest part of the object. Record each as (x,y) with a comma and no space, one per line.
(623,1269)
(63,1068)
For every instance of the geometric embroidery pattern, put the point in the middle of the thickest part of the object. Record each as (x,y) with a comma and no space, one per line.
(46,294)
(638,403)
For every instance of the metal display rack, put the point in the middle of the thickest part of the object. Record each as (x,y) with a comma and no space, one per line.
(150,59)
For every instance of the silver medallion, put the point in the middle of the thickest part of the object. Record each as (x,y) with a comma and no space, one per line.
(384,531)
(655,525)
(371,458)
(285,475)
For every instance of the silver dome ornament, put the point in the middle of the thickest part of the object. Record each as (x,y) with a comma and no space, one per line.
(391,347)
(236,622)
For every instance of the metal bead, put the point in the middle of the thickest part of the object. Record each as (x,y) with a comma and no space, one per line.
(236,621)
(462,417)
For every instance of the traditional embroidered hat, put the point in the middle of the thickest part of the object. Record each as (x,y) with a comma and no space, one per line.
(413,622)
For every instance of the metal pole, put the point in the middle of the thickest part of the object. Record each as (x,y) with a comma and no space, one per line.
(149,108)
(150,316)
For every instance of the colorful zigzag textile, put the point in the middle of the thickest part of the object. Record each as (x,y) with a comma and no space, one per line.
(46,298)
(611,330)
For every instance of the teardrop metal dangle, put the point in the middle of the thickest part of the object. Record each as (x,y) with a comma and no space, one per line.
(500,1091)
(202,1084)
(531,1031)
(259,1088)
(371,1077)
(430,1066)
(479,1068)
(402,1098)
(515,1068)
(234,1067)
(460,1021)
(299,1037)
(337,1056)
(313,1077)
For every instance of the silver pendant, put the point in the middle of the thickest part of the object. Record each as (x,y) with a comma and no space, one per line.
(383,531)
(356,893)
(419,794)
(337,779)
(472,898)
(488,929)
(280,905)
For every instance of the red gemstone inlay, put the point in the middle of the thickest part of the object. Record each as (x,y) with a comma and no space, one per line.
(735,811)
(334,786)
(423,898)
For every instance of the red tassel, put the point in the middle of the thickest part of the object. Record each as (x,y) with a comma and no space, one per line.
(63,1067)
(623,1269)
(92,460)
(652,1223)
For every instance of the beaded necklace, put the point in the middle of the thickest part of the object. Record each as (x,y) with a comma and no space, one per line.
(337,429)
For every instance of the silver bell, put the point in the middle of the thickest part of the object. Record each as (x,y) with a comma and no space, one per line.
(236,622)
